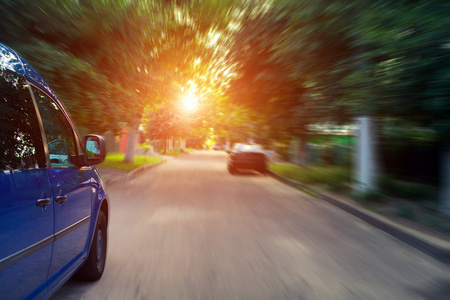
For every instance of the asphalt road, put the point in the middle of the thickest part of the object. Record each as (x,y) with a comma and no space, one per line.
(189,230)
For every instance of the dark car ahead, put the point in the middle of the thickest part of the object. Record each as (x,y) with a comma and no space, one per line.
(53,205)
(250,157)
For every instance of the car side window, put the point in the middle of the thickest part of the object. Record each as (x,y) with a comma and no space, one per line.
(21,144)
(58,132)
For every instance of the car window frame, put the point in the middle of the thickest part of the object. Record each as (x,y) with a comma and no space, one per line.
(42,146)
(78,148)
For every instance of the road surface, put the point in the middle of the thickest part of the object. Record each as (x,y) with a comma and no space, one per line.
(190,230)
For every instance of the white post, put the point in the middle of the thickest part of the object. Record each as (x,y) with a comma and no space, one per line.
(131,144)
(365,159)
(251,135)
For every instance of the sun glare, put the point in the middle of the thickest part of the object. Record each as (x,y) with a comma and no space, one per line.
(190,101)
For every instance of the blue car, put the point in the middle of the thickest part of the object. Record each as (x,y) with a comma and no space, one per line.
(53,206)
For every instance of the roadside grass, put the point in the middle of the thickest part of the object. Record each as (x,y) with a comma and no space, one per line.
(115,161)
(408,200)
(334,178)
(176,152)
(339,179)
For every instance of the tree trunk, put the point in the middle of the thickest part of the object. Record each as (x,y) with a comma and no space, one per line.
(445,180)
(131,143)
(165,145)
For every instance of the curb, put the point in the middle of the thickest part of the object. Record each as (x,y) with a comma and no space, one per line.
(134,173)
(131,174)
(430,248)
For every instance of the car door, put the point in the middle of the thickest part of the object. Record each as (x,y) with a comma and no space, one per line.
(72,188)
(26,208)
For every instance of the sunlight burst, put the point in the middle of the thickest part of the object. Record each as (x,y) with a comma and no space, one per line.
(190,98)
(190,101)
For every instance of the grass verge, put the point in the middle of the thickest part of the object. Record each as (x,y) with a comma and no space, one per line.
(335,178)
(115,161)
(176,152)
(397,199)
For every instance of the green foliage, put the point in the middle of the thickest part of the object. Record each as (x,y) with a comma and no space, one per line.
(173,152)
(405,189)
(115,161)
(166,122)
(406,61)
(336,178)
(282,150)
(145,147)
(368,196)
(265,68)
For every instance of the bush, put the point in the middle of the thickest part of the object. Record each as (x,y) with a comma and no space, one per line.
(406,189)
(369,196)
(283,151)
(336,178)
(145,147)
(173,152)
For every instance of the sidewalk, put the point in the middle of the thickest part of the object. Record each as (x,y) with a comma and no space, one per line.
(436,246)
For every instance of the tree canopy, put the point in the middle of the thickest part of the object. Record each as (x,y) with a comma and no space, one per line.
(263,68)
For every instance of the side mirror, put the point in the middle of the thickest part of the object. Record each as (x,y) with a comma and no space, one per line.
(94,147)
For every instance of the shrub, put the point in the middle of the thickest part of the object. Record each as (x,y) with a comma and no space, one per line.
(145,147)
(406,189)
(173,152)
(368,196)
(336,178)
(283,151)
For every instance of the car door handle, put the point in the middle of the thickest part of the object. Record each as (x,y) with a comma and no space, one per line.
(43,202)
(61,199)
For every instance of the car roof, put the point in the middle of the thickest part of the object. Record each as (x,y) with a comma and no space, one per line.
(9,59)
(247,148)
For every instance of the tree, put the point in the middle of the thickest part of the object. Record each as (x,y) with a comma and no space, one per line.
(410,69)
(166,122)
(116,55)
